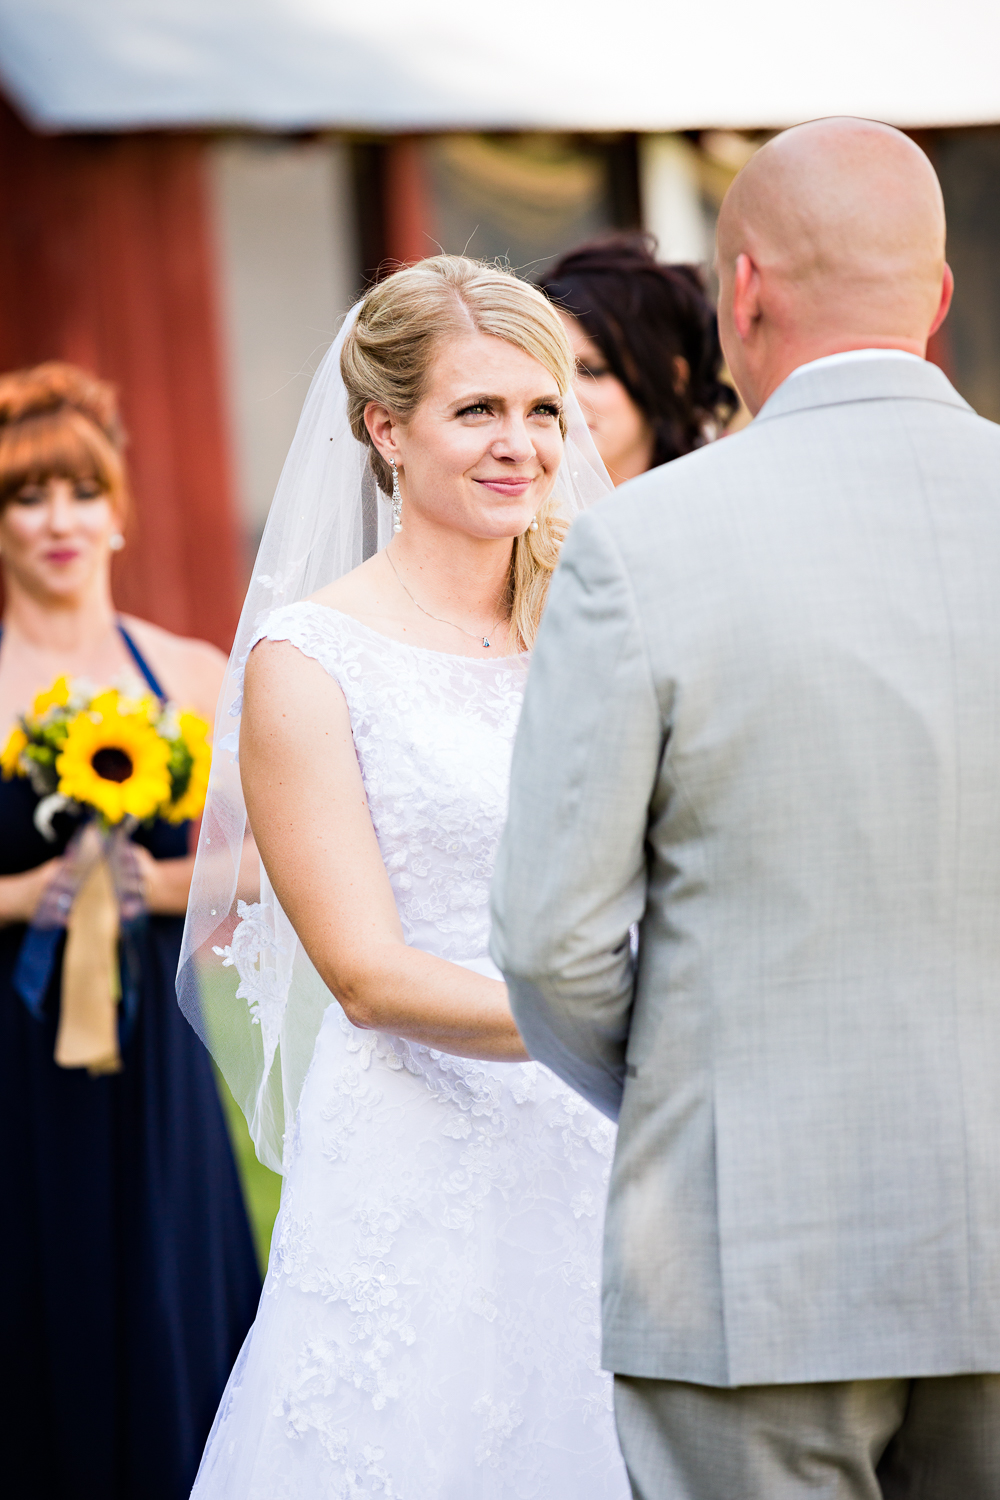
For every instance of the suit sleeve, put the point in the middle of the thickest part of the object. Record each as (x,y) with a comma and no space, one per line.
(571,868)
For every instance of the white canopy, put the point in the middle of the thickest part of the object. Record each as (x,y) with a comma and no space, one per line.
(394,65)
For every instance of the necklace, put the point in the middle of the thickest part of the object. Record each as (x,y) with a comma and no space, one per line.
(437,618)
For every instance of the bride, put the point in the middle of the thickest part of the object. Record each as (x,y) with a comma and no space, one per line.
(429,1327)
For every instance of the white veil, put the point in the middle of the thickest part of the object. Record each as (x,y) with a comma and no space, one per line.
(244,981)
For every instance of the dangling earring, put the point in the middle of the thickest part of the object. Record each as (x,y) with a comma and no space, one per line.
(534,524)
(117,542)
(397,499)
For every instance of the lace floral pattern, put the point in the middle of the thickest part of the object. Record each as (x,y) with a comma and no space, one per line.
(429,1328)
(433,735)
(252,946)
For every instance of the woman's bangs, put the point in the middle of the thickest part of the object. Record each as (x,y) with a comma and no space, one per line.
(59,444)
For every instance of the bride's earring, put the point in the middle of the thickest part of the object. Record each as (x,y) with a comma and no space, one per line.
(397,499)
(117,542)
(534,524)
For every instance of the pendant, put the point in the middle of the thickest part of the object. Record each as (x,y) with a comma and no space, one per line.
(486,643)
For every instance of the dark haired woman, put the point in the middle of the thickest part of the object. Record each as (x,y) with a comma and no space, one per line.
(647,352)
(128,1270)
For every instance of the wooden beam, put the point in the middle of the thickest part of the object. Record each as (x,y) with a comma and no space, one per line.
(408,214)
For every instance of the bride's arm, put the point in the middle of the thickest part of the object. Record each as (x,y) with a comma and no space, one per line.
(307,808)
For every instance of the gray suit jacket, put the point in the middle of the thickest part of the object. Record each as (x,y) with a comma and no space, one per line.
(763,721)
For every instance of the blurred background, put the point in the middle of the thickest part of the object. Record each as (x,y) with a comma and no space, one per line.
(194,192)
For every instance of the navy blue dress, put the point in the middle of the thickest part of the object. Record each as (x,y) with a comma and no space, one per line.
(128,1278)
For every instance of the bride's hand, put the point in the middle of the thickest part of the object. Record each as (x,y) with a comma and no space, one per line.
(307,807)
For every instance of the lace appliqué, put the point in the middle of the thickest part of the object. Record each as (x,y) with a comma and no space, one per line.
(254,952)
(376,1278)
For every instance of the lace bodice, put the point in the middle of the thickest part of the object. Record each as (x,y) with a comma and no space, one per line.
(433,734)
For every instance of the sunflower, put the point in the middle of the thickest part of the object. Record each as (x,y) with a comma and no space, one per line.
(114,762)
(143,708)
(190,769)
(10,755)
(57,696)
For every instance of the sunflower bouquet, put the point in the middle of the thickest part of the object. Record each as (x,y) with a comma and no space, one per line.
(115,761)
(111,755)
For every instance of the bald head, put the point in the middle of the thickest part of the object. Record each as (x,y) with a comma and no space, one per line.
(843,223)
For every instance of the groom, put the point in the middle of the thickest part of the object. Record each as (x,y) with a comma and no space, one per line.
(763,721)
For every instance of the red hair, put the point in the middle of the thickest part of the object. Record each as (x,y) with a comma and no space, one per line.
(58,421)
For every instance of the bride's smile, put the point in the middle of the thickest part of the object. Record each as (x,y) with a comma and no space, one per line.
(512,486)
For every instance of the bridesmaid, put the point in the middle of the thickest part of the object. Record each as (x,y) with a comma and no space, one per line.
(648,359)
(128,1272)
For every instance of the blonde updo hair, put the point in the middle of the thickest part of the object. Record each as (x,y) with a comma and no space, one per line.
(388,354)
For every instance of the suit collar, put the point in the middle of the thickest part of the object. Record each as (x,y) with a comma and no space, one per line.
(861,380)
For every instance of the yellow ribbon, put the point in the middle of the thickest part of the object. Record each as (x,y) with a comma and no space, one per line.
(91,983)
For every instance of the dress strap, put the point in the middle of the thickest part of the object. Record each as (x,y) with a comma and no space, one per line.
(141,663)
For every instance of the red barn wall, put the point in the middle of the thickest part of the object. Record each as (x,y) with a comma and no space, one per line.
(106,260)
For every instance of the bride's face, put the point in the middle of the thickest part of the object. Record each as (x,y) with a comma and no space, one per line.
(481,452)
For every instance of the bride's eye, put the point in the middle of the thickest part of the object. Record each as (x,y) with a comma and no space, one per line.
(476,409)
(549,409)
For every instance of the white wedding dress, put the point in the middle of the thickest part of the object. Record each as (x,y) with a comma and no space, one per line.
(429,1326)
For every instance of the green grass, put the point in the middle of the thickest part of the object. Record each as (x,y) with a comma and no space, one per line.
(261,1186)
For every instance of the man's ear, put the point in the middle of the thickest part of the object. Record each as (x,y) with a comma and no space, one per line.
(947,289)
(746,296)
